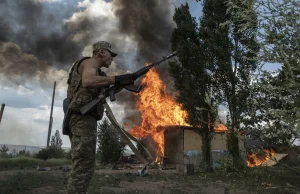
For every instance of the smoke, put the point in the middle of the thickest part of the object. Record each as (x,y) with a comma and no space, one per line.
(26,70)
(38,29)
(40,39)
(150,24)
(140,30)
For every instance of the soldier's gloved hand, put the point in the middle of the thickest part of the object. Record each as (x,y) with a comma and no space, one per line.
(126,79)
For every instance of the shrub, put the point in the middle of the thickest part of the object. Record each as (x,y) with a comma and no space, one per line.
(3,151)
(24,153)
(51,152)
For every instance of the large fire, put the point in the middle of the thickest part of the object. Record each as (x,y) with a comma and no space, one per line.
(256,160)
(158,111)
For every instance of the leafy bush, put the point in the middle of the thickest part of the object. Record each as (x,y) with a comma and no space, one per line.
(3,151)
(51,152)
(24,153)
(54,151)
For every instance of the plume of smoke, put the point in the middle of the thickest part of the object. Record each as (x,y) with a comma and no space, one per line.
(141,30)
(150,24)
(39,29)
(26,69)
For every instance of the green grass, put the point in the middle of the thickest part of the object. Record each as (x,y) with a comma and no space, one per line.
(29,162)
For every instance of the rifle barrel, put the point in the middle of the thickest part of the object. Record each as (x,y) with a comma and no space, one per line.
(111,91)
(147,68)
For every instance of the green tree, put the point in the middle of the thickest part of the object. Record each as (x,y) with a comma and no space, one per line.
(110,146)
(216,61)
(216,48)
(55,150)
(281,43)
(191,78)
(56,140)
(233,76)
(276,121)
(3,151)
(273,116)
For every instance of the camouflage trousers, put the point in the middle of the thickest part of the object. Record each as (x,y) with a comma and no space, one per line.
(83,139)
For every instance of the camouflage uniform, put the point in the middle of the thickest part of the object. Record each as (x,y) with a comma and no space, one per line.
(83,150)
(83,128)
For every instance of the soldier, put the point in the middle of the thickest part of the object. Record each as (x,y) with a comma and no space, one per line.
(85,81)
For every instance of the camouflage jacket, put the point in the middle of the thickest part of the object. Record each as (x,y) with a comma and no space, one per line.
(79,95)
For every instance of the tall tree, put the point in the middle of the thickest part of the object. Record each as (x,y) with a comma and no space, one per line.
(220,57)
(233,75)
(215,47)
(275,112)
(110,146)
(192,80)
(274,119)
(56,141)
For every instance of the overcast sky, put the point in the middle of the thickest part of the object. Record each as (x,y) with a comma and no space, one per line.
(40,39)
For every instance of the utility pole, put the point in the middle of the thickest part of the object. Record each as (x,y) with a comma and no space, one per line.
(51,118)
(1,111)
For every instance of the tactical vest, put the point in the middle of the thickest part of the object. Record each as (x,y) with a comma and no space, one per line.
(79,95)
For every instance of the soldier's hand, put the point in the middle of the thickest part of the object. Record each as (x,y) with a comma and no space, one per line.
(126,79)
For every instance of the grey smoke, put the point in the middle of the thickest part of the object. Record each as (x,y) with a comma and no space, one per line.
(22,69)
(39,29)
(149,22)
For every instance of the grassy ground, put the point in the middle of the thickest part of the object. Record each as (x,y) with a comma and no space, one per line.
(260,180)
(29,162)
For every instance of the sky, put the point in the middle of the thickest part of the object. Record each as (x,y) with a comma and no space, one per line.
(40,40)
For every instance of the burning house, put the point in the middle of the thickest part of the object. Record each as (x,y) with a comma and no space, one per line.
(169,138)
(164,131)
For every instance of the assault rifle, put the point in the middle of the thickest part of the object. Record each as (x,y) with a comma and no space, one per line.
(111,91)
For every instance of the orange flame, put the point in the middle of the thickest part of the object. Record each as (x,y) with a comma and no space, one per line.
(158,110)
(255,160)
(220,128)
